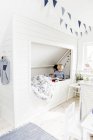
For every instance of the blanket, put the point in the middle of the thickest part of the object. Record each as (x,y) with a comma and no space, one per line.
(42,86)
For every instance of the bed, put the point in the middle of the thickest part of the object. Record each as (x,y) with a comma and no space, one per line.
(58,94)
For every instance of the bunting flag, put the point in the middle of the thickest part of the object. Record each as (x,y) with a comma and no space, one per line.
(54,3)
(69,15)
(63,11)
(76,33)
(61,20)
(81,34)
(79,23)
(71,30)
(86,32)
(90,28)
(65,65)
(45,2)
(66,25)
(84,25)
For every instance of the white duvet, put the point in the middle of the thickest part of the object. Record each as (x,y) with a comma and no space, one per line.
(42,86)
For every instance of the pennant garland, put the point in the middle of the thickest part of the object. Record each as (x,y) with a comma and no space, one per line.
(66,25)
(79,23)
(54,3)
(65,65)
(69,15)
(81,34)
(86,32)
(45,2)
(61,20)
(63,10)
(76,33)
(90,28)
(71,30)
(84,25)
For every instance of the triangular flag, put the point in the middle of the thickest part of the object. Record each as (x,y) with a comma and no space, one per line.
(63,11)
(66,25)
(61,20)
(54,3)
(90,28)
(69,15)
(45,2)
(86,32)
(76,33)
(71,30)
(81,33)
(79,23)
(84,25)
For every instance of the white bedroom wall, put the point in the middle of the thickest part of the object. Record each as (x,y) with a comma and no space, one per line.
(6,91)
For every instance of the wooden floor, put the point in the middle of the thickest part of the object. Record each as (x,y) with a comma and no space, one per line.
(53,120)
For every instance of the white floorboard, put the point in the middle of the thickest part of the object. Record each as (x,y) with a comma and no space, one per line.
(51,121)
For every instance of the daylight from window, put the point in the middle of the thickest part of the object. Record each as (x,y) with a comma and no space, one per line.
(88,58)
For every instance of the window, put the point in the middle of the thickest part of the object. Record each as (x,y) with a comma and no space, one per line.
(88,58)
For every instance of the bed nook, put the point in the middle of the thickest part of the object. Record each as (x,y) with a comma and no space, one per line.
(47,88)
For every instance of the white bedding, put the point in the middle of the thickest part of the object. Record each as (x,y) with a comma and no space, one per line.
(42,86)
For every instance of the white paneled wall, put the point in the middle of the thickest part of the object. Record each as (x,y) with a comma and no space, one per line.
(21,83)
(6,91)
(26,32)
(15,98)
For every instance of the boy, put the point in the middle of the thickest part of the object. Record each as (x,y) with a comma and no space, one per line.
(58,71)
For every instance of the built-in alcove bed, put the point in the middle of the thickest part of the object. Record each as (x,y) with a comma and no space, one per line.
(43,58)
(29,34)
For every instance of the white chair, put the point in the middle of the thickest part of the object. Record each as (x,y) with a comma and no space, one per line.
(86,103)
(72,128)
(75,88)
